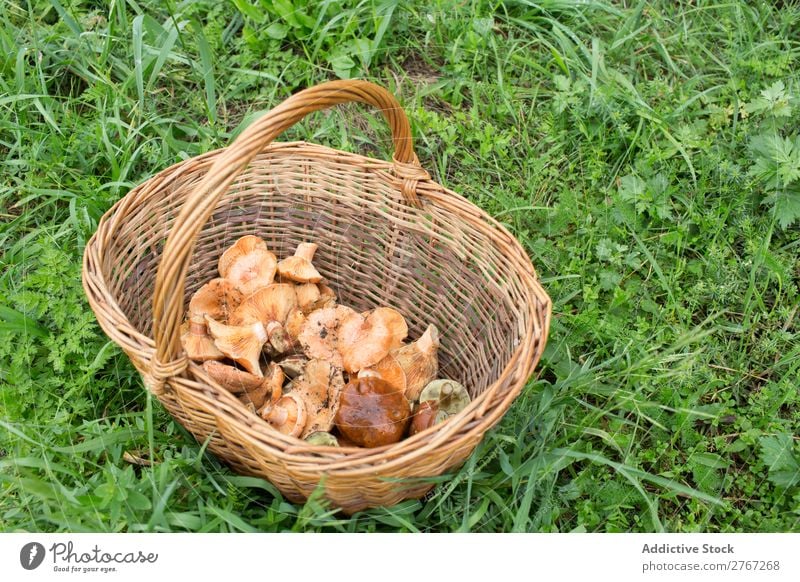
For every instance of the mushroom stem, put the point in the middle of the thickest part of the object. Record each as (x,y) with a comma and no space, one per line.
(306,251)
(198,328)
(275,382)
(199,346)
(429,341)
(277,415)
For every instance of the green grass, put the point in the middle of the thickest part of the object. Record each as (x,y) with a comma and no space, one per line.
(646,154)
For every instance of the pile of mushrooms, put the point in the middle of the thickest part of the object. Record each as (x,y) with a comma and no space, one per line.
(272,334)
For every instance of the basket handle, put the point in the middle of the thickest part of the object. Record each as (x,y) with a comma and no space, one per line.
(168,307)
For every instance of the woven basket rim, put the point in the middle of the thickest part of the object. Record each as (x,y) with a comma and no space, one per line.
(330,459)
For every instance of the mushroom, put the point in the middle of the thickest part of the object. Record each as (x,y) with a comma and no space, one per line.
(327,297)
(217,298)
(424,416)
(248,387)
(270,306)
(320,387)
(307,296)
(293,365)
(372,413)
(298,267)
(287,415)
(449,396)
(241,247)
(252,271)
(365,339)
(322,439)
(311,297)
(241,343)
(419,361)
(388,370)
(320,331)
(274,381)
(294,325)
(198,344)
(233,379)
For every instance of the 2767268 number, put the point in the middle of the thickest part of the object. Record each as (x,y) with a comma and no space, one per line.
(754,565)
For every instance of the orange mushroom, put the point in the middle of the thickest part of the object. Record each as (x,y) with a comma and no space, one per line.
(274,381)
(419,361)
(287,415)
(218,299)
(388,370)
(320,387)
(311,296)
(307,296)
(270,303)
(199,346)
(298,267)
(242,343)
(252,271)
(270,306)
(233,379)
(327,297)
(241,247)
(249,388)
(411,367)
(365,339)
(320,331)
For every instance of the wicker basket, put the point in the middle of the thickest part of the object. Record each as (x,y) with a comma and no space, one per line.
(387,235)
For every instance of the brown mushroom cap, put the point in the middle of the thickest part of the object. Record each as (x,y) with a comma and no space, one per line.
(320,331)
(372,413)
(320,387)
(243,246)
(252,271)
(388,370)
(424,416)
(218,299)
(242,344)
(287,415)
(364,341)
(270,303)
(199,346)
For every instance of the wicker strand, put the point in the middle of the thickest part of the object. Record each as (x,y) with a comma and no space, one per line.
(159,372)
(411,174)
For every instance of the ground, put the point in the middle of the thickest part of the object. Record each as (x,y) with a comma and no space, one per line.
(645,154)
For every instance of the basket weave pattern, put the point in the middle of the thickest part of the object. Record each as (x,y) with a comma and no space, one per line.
(388,235)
